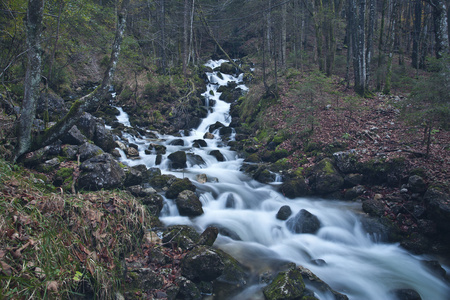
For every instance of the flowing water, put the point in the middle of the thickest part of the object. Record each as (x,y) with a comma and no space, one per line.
(356,264)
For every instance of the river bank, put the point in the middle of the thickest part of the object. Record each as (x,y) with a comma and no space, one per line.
(236,213)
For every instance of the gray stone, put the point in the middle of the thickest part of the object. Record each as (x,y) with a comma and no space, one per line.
(284,213)
(303,222)
(202,264)
(88,150)
(101,172)
(188,204)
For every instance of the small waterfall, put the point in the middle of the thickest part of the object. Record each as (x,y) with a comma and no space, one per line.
(354,263)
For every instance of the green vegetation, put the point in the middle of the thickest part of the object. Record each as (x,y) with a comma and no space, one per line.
(58,246)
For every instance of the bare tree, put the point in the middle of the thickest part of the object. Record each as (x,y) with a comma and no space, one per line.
(34,29)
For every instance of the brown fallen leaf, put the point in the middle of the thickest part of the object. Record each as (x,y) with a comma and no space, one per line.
(5,268)
(52,286)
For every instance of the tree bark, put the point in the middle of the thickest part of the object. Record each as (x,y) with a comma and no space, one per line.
(283,35)
(416,33)
(94,98)
(440,26)
(34,26)
(185,35)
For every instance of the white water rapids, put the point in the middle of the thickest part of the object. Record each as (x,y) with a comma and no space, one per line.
(355,263)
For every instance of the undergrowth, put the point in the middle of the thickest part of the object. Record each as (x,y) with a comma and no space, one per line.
(54,245)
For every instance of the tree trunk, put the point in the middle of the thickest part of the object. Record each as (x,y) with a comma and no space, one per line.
(387,86)
(440,27)
(94,98)
(369,52)
(416,33)
(185,35)
(283,35)
(34,26)
(380,46)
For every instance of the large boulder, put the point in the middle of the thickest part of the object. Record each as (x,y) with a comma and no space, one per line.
(88,150)
(284,213)
(202,264)
(178,159)
(103,137)
(73,137)
(188,204)
(310,278)
(87,125)
(217,154)
(286,285)
(55,106)
(438,201)
(295,187)
(326,178)
(416,184)
(181,236)
(303,222)
(101,172)
(234,274)
(178,186)
(346,161)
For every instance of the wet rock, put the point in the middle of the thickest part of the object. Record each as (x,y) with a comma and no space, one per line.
(159,149)
(303,222)
(178,186)
(139,191)
(134,176)
(438,206)
(74,137)
(209,236)
(187,290)
(284,213)
(286,285)
(176,142)
(351,180)
(326,177)
(208,136)
(201,178)
(161,181)
(416,184)
(311,278)
(202,264)
(195,159)
(188,204)
(215,126)
(181,236)
(295,187)
(346,161)
(88,150)
(263,175)
(199,143)
(132,152)
(101,172)
(406,294)
(225,131)
(227,68)
(354,192)
(235,274)
(154,203)
(374,207)
(217,154)
(178,159)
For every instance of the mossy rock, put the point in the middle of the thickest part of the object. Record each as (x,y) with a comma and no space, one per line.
(273,156)
(286,285)
(182,236)
(178,186)
(161,181)
(253,158)
(326,178)
(295,187)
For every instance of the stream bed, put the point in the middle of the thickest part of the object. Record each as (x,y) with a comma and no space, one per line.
(352,261)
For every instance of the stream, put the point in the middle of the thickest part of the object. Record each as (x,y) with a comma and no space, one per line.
(355,263)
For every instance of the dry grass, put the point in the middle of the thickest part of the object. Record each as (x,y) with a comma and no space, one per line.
(52,244)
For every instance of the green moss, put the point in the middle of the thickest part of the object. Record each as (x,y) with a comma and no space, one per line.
(286,285)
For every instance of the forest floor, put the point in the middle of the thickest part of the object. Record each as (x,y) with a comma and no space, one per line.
(374,127)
